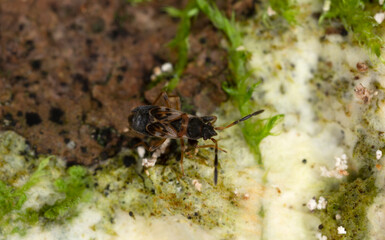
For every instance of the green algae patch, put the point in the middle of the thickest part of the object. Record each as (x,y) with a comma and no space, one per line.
(35,189)
(347,207)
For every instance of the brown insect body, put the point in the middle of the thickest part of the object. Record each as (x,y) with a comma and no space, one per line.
(166,122)
(163,122)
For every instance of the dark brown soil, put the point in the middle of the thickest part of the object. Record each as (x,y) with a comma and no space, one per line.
(71,70)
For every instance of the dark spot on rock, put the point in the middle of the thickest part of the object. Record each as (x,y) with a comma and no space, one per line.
(123,68)
(8,120)
(97,25)
(82,80)
(118,32)
(304,161)
(32,95)
(29,47)
(19,78)
(119,78)
(19,113)
(66,140)
(128,161)
(83,149)
(131,214)
(56,115)
(320,226)
(32,119)
(35,64)
(102,135)
(202,40)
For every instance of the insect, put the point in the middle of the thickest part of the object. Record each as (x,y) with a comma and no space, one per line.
(164,122)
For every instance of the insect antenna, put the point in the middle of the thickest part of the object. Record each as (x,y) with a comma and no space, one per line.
(215,161)
(240,120)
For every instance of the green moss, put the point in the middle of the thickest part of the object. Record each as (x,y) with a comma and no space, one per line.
(284,8)
(357,18)
(17,162)
(73,186)
(351,201)
(180,42)
(242,85)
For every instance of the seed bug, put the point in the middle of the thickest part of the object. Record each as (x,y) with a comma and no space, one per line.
(166,122)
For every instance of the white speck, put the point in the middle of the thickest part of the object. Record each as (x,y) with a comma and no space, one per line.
(379,17)
(321,203)
(246,196)
(319,236)
(312,204)
(141,151)
(326,6)
(236,192)
(197,185)
(71,144)
(167,67)
(378,154)
(341,230)
(339,170)
(338,216)
(240,48)
(270,12)
(157,71)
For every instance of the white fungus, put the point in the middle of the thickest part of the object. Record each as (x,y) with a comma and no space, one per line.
(378,154)
(339,170)
(197,185)
(321,203)
(341,230)
(319,236)
(167,67)
(379,17)
(313,204)
(270,12)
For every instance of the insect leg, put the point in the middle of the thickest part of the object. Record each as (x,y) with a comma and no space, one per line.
(215,161)
(152,147)
(177,102)
(182,154)
(156,145)
(165,98)
(211,146)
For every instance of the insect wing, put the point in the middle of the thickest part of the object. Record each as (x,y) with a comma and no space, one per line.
(158,129)
(164,114)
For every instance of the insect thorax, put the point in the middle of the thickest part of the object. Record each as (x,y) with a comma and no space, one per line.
(198,129)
